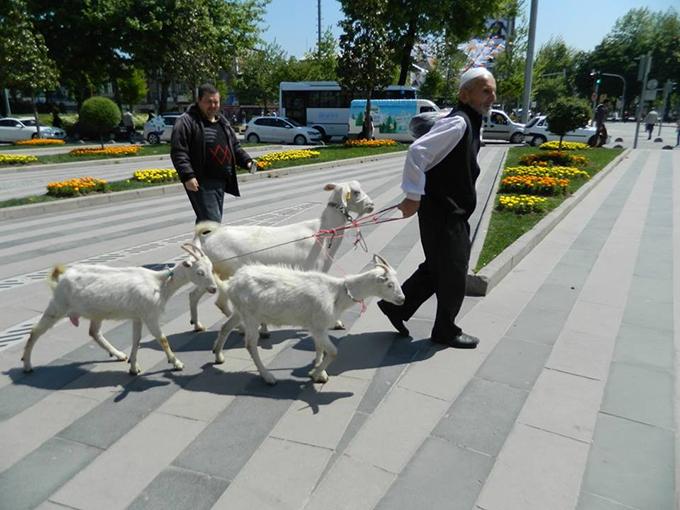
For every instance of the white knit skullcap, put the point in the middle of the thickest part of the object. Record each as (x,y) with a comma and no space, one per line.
(473,74)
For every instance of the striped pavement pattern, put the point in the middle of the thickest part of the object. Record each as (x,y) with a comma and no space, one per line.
(569,402)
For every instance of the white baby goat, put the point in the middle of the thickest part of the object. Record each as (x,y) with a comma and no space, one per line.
(230,247)
(313,300)
(99,292)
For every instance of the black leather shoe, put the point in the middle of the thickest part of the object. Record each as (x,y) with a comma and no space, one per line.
(398,324)
(462,341)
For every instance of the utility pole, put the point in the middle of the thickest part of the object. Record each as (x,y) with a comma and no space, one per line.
(643,74)
(5,96)
(529,66)
(318,44)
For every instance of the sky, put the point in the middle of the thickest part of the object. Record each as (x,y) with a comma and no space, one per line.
(581,23)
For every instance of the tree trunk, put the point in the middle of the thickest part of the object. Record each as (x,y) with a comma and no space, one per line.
(163,103)
(367,128)
(407,43)
(35,113)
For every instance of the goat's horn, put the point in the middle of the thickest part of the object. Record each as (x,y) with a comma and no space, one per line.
(198,249)
(190,249)
(379,261)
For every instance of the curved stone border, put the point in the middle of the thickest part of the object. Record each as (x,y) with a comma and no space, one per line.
(487,278)
(70,204)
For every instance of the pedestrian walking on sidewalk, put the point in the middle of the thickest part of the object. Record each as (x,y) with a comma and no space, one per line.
(650,121)
(677,129)
(205,152)
(439,181)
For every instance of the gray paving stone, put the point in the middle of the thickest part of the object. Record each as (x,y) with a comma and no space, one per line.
(594,502)
(31,480)
(640,393)
(482,416)
(655,290)
(580,258)
(515,362)
(644,346)
(640,312)
(541,325)
(554,296)
(224,447)
(631,463)
(569,274)
(179,489)
(592,238)
(441,475)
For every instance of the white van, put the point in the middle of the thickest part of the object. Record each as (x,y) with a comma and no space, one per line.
(498,126)
(391,117)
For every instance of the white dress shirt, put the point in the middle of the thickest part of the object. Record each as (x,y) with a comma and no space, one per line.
(427,151)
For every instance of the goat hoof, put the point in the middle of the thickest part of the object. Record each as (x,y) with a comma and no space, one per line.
(339,325)
(198,327)
(219,358)
(269,379)
(135,371)
(28,370)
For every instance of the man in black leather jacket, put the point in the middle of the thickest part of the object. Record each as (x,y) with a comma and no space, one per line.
(205,152)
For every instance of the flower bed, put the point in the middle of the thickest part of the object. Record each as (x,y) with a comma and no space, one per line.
(40,141)
(16,159)
(122,150)
(566,146)
(383,142)
(76,187)
(521,204)
(265,161)
(560,172)
(533,185)
(552,158)
(156,175)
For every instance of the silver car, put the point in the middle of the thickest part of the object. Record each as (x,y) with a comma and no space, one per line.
(498,126)
(24,128)
(159,129)
(280,130)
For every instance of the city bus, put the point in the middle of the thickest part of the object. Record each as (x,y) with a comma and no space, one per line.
(324,106)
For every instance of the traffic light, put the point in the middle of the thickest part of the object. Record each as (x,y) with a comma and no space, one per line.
(599,80)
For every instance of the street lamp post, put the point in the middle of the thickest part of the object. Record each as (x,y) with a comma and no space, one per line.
(643,74)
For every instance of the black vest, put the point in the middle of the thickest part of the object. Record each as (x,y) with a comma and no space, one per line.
(451,182)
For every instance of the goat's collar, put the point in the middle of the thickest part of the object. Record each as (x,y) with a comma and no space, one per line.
(350,294)
(343,210)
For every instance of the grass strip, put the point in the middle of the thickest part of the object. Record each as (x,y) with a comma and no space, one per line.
(505,227)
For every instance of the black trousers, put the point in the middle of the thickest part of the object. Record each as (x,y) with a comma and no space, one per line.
(208,201)
(445,237)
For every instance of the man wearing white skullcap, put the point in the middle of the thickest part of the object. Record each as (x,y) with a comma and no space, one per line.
(439,181)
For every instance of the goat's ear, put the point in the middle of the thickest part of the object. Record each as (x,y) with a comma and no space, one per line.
(330,186)
(381,262)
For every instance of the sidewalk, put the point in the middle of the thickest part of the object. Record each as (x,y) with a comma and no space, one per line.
(570,401)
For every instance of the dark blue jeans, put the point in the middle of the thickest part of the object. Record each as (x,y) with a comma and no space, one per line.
(208,201)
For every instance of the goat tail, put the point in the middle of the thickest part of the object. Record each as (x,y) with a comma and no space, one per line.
(57,271)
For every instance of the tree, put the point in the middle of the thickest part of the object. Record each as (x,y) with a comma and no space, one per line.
(24,61)
(636,33)
(98,116)
(365,60)
(190,40)
(320,63)
(260,72)
(84,39)
(567,114)
(410,21)
(133,87)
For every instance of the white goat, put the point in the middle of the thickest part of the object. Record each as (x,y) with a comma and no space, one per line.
(230,247)
(99,292)
(313,300)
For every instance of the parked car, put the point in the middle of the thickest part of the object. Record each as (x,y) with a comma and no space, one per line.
(536,132)
(498,126)
(159,129)
(280,129)
(13,129)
